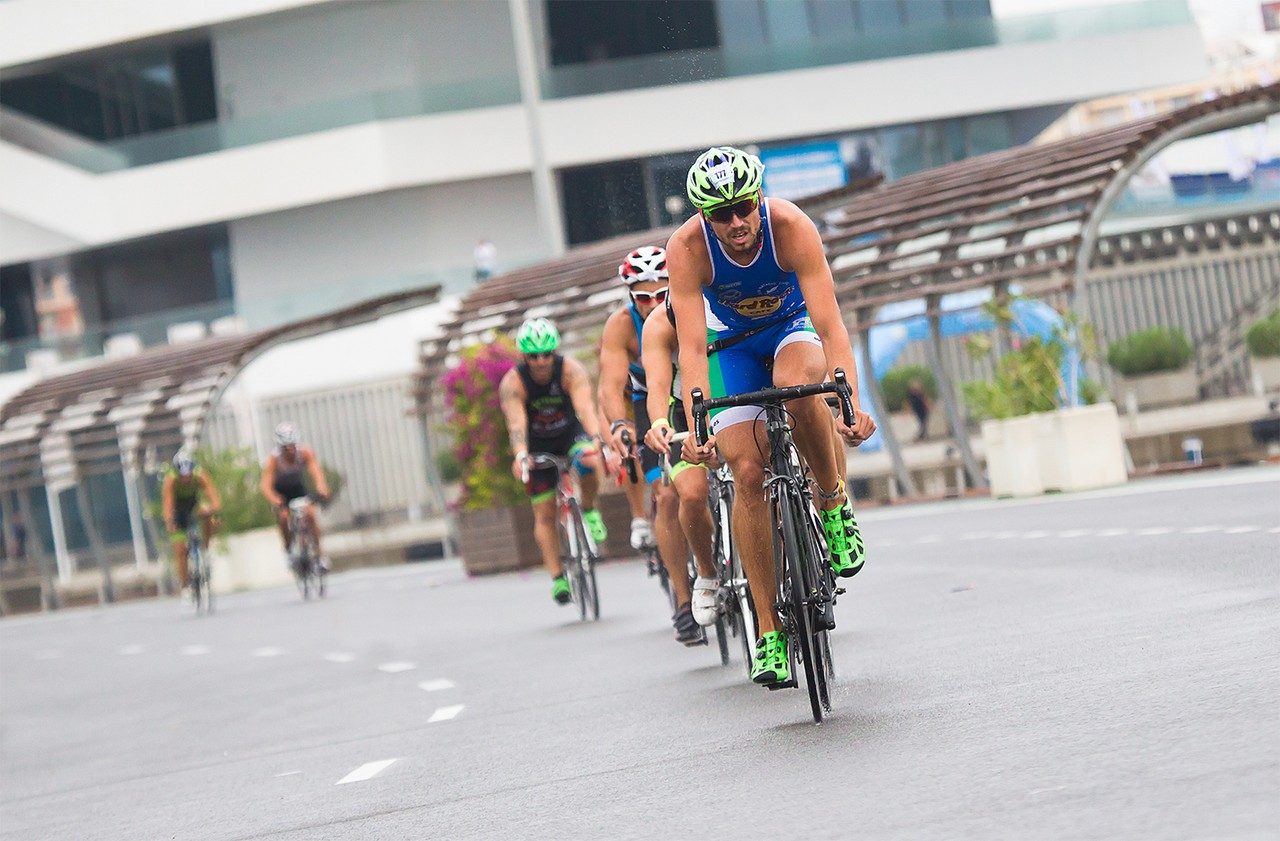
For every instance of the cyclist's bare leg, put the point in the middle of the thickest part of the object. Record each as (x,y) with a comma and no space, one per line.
(635,498)
(801,363)
(544,531)
(740,445)
(282,520)
(671,542)
(695,518)
(180,561)
(590,482)
(313,524)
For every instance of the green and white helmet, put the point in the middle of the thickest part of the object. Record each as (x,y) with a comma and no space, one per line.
(723,174)
(537,335)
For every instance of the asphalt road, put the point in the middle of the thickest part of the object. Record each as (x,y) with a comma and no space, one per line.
(1098,666)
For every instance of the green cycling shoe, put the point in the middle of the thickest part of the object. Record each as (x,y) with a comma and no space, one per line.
(771,664)
(560,589)
(844,540)
(595,525)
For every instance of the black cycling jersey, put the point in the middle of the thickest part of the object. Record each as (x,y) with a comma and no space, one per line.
(548,407)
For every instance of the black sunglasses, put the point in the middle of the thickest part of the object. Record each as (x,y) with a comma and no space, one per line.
(546,355)
(725,212)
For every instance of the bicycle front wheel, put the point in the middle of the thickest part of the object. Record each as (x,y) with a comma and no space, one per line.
(576,567)
(796,558)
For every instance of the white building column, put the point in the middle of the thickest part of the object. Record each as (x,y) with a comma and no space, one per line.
(545,194)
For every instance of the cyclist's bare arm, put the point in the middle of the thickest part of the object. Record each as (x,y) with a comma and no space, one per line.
(314,470)
(166,501)
(268,480)
(210,491)
(511,396)
(578,383)
(614,359)
(689,266)
(657,344)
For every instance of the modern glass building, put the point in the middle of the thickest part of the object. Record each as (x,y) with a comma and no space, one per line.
(269,159)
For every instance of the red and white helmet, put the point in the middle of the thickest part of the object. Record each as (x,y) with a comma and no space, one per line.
(648,262)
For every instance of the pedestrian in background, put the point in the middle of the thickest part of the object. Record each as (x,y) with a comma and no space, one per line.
(485,257)
(920,406)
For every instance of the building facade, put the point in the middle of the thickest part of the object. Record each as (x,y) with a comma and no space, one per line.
(270,159)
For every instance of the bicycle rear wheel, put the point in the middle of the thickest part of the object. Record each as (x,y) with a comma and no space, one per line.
(576,567)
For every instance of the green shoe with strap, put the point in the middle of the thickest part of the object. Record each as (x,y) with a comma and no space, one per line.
(560,589)
(844,540)
(771,663)
(595,525)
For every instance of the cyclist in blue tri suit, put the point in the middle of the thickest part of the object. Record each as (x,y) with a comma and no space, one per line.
(755,307)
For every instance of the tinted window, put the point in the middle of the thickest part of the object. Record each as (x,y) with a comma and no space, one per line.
(598,30)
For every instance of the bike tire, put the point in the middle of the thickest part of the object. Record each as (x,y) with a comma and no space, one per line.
(589,576)
(794,561)
(577,549)
(722,639)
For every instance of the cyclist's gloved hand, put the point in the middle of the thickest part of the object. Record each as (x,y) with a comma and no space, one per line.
(694,454)
(863,427)
(615,438)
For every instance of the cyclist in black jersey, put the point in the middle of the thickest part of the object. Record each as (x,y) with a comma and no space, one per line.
(282,482)
(547,402)
(644,271)
(187,492)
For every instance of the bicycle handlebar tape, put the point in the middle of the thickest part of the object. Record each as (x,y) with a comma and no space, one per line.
(846,403)
(631,461)
(699,418)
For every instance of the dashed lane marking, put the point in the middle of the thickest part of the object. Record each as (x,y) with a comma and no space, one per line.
(1112,532)
(1073,533)
(1241,529)
(1034,535)
(397,666)
(268,651)
(339,657)
(287,773)
(365,771)
(1201,529)
(1153,531)
(435,685)
(195,650)
(130,650)
(445,713)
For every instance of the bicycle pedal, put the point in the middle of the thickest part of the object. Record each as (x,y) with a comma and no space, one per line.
(840,591)
(786,684)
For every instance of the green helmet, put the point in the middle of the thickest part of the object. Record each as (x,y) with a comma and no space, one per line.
(723,174)
(537,335)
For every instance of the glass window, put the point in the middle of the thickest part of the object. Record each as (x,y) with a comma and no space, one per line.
(604,201)
(831,18)
(598,30)
(880,14)
(925,12)
(741,23)
(787,21)
(902,149)
(957,148)
(989,133)
(961,9)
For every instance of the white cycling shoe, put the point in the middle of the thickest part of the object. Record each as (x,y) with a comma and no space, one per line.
(706,601)
(641,534)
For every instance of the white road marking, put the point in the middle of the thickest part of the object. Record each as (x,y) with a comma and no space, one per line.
(435,685)
(1112,532)
(195,650)
(1073,533)
(1004,535)
(365,771)
(445,713)
(1275,530)
(130,650)
(397,666)
(339,657)
(287,773)
(1241,529)
(975,535)
(1201,529)
(268,651)
(1153,531)
(1035,535)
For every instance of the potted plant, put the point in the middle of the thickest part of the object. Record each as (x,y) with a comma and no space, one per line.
(896,386)
(1037,436)
(494,520)
(1155,367)
(1263,341)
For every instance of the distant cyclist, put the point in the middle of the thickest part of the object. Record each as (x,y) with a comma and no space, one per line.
(548,406)
(283,482)
(187,492)
(644,271)
(689,481)
(755,307)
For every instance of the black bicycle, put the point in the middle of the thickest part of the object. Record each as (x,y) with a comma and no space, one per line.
(579,552)
(199,574)
(806,586)
(737,609)
(304,556)
(652,560)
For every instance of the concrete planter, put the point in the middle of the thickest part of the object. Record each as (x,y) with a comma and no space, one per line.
(1266,372)
(1168,388)
(1067,450)
(497,540)
(250,560)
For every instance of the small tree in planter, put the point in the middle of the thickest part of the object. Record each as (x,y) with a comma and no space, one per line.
(896,385)
(494,519)
(1155,366)
(1263,341)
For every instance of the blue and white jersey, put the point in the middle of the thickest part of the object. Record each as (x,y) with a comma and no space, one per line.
(743,297)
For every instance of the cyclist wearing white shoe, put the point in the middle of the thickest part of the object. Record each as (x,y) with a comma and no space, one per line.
(689,480)
(755,307)
(284,480)
(644,271)
(547,403)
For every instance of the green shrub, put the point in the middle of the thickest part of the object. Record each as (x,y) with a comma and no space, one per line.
(898,379)
(447,465)
(1263,337)
(1027,380)
(1150,352)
